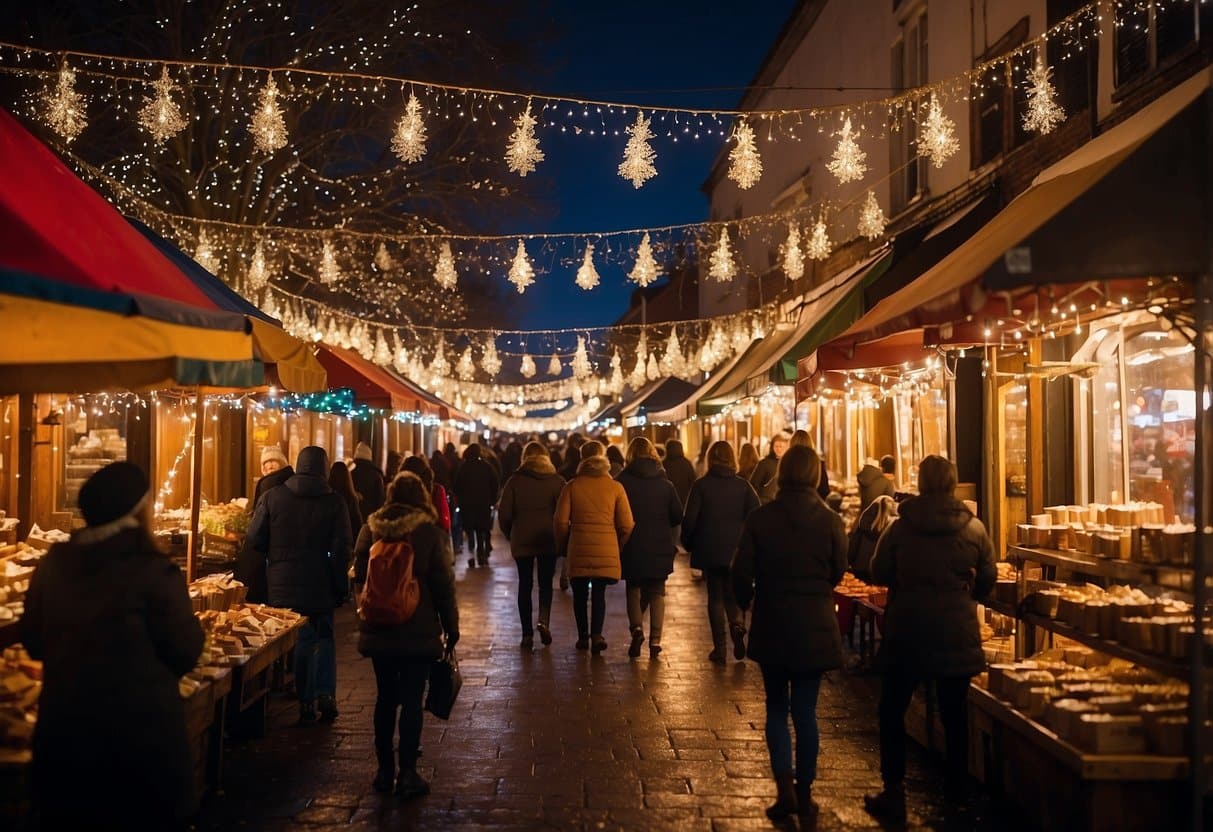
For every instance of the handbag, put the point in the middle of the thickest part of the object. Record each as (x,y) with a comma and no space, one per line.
(445,683)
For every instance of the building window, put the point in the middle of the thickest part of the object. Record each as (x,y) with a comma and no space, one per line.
(999,99)
(1071,68)
(909,70)
(1149,36)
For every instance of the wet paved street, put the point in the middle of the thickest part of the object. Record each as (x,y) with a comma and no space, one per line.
(559,739)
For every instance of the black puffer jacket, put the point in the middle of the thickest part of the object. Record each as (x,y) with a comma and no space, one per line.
(649,553)
(303,528)
(792,554)
(421,637)
(528,504)
(938,562)
(681,472)
(764,478)
(717,507)
(112,622)
(371,486)
(476,485)
(872,484)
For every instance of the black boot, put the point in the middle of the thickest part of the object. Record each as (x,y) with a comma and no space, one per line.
(738,632)
(889,805)
(785,797)
(411,785)
(806,807)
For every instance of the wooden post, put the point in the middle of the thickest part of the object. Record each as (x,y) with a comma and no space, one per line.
(27,418)
(1202,475)
(1036,433)
(194,544)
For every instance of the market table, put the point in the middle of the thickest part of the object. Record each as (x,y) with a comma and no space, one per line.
(252,681)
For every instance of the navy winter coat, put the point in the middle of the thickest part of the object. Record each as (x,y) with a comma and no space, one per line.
(656,510)
(717,508)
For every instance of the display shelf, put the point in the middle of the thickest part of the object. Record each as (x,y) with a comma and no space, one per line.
(1000,607)
(1121,570)
(1176,668)
(1133,767)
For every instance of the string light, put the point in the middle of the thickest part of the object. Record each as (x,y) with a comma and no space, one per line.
(849,163)
(554,366)
(720,266)
(258,272)
(523,153)
(330,272)
(637,377)
(1043,112)
(615,385)
(204,255)
(439,366)
(444,271)
(587,275)
(582,368)
(819,246)
(937,135)
(645,271)
(793,257)
(871,217)
(745,162)
(65,106)
(490,362)
(522,274)
(160,115)
(268,126)
(384,261)
(638,155)
(465,367)
(408,142)
(527,367)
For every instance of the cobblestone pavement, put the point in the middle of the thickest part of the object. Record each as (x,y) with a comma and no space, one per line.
(559,739)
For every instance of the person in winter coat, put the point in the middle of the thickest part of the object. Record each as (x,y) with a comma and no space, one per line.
(451,455)
(648,556)
(792,554)
(938,563)
(868,528)
(593,521)
(617,460)
(476,490)
(511,459)
(572,459)
(679,469)
(394,460)
(369,481)
(302,531)
(275,470)
(717,507)
(403,653)
(419,466)
(250,566)
(343,485)
(764,477)
(109,616)
(875,482)
(747,461)
(528,504)
(801,438)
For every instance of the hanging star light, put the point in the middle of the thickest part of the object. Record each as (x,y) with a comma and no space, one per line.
(793,257)
(645,271)
(526,368)
(204,255)
(937,135)
(444,272)
(64,106)
(587,275)
(555,368)
(490,362)
(330,272)
(383,353)
(720,265)
(258,271)
(850,162)
(745,163)
(638,156)
(1043,113)
(160,115)
(871,218)
(408,142)
(582,369)
(383,259)
(268,126)
(465,368)
(818,247)
(521,273)
(523,152)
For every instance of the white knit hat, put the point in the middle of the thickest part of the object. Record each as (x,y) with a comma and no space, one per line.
(273,452)
(363,451)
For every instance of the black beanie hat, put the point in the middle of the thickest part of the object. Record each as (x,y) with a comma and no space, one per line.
(112,492)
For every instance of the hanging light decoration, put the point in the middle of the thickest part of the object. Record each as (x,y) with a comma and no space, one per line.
(439,366)
(582,369)
(330,272)
(850,162)
(1043,112)
(444,272)
(526,368)
(555,368)
(465,367)
(268,126)
(258,275)
(490,362)
(653,370)
(408,142)
(400,356)
(523,153)
(793,257)
(521,273)
(636,378)
(383,353)
(745,166)
(160,115)
(64,107)
(937,134)
(819,245)
(638,156)
(587,275)
(615,385)
(720,266)
(672,361)
(871,218)
(384,261)
(204,254)
(645,271)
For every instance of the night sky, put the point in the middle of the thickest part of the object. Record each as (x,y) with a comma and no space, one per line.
(619,51)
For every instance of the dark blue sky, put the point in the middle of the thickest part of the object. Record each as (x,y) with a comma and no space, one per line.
(618,51)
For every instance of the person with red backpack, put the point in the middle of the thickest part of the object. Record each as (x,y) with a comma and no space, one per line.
(408,619)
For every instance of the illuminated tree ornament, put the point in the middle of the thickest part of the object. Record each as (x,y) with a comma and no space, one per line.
(849,162)
(160,115)
(745,166)
(871,219)
(439,366)
(793,257)
(465,368)
(582,368)
(383,259)
(268,127)
(204,255)
(937,134)
(408,142)
(637,377)
(523,153)
(383,353)
(64,107)
(490,362)
(1043,113)
(819,245)
(672,361)
(645,271)
(400,356)
(638,156)
(653,370)
(330,272)
(258,275)
(587,275)
(444,272)
(527,367)
(615,385)
(521,273)
(720,265)
(555,368)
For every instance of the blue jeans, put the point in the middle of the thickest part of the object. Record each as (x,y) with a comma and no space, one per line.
(802,704)
(316,659)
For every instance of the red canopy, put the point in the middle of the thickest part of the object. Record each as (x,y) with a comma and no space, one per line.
(375,386)
(55,226)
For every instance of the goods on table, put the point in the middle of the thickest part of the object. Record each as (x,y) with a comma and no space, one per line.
(17,562)
(88,456)
(1160,625)
(20,686)
(1128,531)
(216,592)
(853,587)
(228,520)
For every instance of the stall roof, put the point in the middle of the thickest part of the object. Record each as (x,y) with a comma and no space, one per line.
(375,386)
(659,396)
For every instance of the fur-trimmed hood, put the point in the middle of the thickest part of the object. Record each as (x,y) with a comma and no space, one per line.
(537,466)
(594,466)
(396,522)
